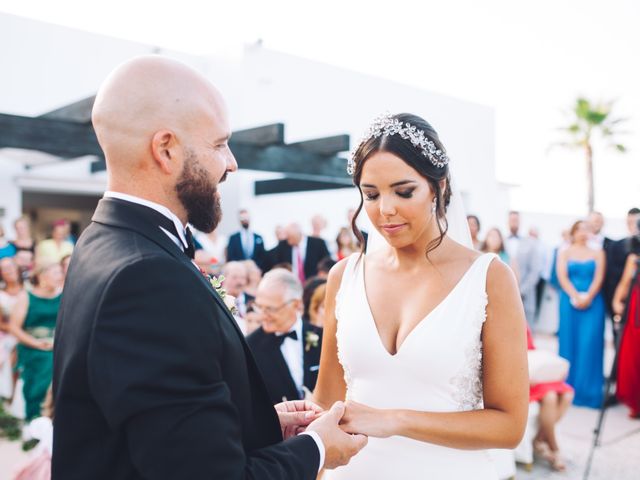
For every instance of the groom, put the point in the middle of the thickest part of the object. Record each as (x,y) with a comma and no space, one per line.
(152,378)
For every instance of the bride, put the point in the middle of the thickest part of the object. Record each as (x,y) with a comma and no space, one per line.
(423,337)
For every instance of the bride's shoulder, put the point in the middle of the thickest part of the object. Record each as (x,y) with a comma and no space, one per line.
(337,271)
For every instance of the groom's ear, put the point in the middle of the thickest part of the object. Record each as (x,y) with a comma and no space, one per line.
(166,152)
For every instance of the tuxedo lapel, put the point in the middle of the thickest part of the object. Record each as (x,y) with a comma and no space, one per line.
(132,216)
(311,363)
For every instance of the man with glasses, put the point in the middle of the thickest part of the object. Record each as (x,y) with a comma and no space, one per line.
(287,349)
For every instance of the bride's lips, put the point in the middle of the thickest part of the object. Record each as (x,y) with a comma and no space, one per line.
(393,227)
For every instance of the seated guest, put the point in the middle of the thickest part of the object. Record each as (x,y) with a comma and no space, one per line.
(307,292)
(24,240)
(555,399)
(6,249)
(302,252)
(316,307)
(54,249)
(254,275)
(235,281)
(287,349)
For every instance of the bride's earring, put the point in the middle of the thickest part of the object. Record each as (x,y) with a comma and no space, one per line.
(434,206)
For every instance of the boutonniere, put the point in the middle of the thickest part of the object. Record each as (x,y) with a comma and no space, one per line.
(216,283)
(311,340)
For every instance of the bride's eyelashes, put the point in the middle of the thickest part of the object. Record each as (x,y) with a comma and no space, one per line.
(408,193)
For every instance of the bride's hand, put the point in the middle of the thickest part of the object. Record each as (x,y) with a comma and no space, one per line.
(359,418)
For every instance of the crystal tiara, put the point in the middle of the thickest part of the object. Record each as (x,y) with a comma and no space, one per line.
(387,125)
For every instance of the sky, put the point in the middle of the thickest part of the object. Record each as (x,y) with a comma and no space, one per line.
(527,60)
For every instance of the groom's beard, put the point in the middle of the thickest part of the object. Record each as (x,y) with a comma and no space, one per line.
(198,195)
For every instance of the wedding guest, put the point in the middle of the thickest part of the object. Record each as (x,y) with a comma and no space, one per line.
(254,276)
(213,244)
(541,252)
(11,287)
(235,280)
(474,229)
(627,295)
(324,267)
(307,292)
(55,248)
(316,306)
(318,225)
(33,322)
(524,253)
(6,248)
(25,261)
(302,252)
(555,399)
(597,239)
(287,349)
(346,243)
(24,240)
(494,243)
(246,244)
(581,334)
(616,253)
(280,233)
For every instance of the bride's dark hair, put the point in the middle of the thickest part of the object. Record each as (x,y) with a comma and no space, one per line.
(413,157)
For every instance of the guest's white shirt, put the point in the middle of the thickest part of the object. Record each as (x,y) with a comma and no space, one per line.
(512,244)
(302,248)
(180,242)
(596,241)
(293,353)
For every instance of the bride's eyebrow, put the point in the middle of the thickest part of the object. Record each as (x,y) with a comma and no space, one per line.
(395,184)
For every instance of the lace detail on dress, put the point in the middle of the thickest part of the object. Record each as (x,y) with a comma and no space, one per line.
(468,381)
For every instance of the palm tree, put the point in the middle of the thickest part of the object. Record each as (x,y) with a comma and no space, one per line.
(586,119)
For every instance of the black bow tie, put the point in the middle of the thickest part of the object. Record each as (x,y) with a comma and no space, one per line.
(292,334)
(170,227)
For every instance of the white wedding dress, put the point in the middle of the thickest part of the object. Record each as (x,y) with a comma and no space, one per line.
(436,369)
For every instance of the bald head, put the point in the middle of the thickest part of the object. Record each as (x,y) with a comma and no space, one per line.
(154,118)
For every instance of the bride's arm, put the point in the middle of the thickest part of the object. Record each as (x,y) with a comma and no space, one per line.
(330,386)
(505,384)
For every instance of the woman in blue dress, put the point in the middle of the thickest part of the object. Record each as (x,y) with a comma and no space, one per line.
(581,335)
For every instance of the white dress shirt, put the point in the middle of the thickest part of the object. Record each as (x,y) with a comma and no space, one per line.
(293,353)
(302,248)
(180,242)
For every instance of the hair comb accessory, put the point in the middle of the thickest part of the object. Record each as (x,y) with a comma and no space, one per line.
(385,124)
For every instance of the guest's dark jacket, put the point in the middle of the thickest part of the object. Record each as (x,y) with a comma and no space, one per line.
(316,250)
(274,368)
(235,252)
(616,252)
(152,377)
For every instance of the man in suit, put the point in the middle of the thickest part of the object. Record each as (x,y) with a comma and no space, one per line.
(246,244)
(236,277)
(616,252)
(152,377)
(286,348)
(302,252)
(525,253)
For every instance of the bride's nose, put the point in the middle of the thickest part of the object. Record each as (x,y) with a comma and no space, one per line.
(387,206)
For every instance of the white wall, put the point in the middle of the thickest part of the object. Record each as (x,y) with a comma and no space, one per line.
(51,66)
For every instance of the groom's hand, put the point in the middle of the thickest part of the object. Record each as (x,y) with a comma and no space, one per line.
(339,446)
(296,415)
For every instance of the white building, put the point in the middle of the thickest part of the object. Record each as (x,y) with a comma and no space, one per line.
(46,67)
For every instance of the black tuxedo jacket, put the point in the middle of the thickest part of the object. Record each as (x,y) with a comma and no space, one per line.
(616,252)
(316,251)
(236,252)
(274,369)
(152,377)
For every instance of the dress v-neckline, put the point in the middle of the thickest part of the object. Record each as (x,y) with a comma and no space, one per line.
(422,320)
